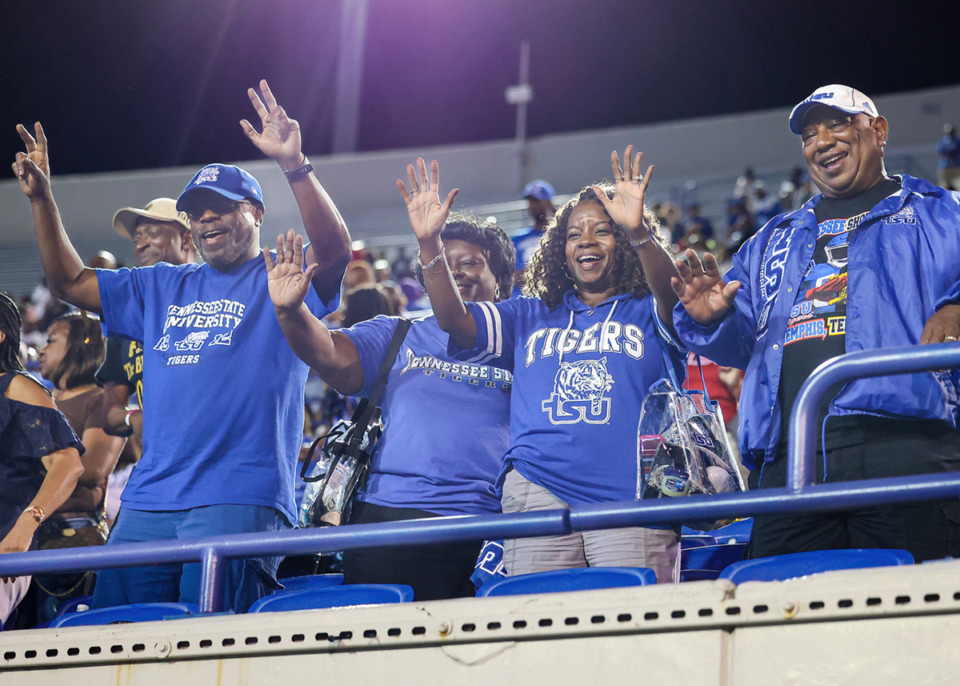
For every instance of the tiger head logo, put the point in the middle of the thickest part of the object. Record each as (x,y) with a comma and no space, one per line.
(584,380)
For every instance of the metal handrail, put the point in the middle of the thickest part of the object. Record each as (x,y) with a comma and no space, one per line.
(799,496)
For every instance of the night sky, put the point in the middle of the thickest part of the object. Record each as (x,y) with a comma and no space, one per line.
(134,85)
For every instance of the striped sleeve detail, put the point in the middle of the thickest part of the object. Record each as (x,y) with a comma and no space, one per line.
(662,329)
(490,339)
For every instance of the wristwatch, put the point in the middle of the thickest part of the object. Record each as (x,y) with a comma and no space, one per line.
(36,512)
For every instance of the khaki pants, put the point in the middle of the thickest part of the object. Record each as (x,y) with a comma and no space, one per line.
(657,549)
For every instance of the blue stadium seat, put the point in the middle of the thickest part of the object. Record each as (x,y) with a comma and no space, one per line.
(701,562)
(738,532)
(562,580)
(123,614)
(782,567)
(334,596)
(310,581)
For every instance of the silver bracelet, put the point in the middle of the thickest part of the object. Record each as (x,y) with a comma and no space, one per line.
(433,263)
(639,244)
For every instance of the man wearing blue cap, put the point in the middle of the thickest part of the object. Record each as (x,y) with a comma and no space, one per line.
(539,196)
(873,262)
(223,388)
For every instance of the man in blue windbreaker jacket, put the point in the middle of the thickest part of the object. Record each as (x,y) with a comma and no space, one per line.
(873,262)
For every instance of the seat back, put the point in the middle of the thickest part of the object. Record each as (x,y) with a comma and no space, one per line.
(310,581)
(562,580)
(334,596)
(793,565)
(123,614)
(707,561)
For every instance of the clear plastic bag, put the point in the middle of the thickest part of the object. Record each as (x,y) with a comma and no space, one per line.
(683,449)
(335,477)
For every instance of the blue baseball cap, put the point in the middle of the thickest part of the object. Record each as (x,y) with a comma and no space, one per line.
(227,180)
(539,189)
(843,98)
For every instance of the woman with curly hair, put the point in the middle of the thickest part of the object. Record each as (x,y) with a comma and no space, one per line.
(445,424)
(584,351)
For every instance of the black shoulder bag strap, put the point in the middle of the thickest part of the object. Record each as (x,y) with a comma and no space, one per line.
(364,412)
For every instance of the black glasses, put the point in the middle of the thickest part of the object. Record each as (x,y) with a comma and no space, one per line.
(218,204)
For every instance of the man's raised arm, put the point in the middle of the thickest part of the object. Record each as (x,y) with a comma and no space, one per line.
(329,239)
(67,277)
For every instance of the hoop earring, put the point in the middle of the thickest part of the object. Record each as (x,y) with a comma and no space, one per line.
(496,293)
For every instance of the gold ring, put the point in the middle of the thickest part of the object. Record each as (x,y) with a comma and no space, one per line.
(949,338)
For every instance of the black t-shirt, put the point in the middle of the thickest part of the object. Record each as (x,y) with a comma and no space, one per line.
(817,324)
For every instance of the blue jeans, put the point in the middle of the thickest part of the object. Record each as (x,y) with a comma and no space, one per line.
(244,581)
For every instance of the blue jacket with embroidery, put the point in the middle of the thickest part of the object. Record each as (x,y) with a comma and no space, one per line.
(903,265)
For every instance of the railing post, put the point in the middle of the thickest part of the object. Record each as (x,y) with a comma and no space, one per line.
(211,581)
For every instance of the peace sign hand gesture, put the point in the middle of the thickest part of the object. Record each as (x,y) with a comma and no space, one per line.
(626,206)
(427,213)
(280,137)
(32,168)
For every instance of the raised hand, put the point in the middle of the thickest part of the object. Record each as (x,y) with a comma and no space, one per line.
(280,135)
(32,168)
(287,281)
(427,213)
(702,292)
(626,206)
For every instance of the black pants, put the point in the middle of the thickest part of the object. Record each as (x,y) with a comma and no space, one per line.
(434,571)
(929,530)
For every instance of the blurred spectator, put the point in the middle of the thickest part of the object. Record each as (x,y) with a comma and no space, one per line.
(745,188)
(416,298)
(402,267)
(366,302)
(671,220)
(766,206)
(796,189)
(39,456)
(74,351)
(740,223)
(696,223)
(948,169)
(539,196)
(358,273)
(381,270)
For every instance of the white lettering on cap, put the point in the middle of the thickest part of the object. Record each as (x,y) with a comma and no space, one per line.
(207,175)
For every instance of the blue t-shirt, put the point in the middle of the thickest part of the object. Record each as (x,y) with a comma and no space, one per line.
(580,376)
(445,422)
(223,392)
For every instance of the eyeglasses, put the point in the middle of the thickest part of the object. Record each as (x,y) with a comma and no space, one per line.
(218,204)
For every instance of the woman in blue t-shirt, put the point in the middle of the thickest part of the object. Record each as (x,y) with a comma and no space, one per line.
(445,423)
(584,350)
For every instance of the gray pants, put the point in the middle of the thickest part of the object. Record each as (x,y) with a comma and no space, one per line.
(657,549)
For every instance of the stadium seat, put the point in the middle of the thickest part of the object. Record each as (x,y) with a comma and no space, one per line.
(782,567)
(310,581)
(699,562)
(738,532)
(334,596)
(125,614)
(562,580)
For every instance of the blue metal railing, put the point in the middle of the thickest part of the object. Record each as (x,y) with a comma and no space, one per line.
(799,496)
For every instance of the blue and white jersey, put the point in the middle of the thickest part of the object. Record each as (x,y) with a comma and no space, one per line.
(580,376)
(445,422)
(223,392)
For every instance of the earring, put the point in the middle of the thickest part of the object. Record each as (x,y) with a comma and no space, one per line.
(496,293)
